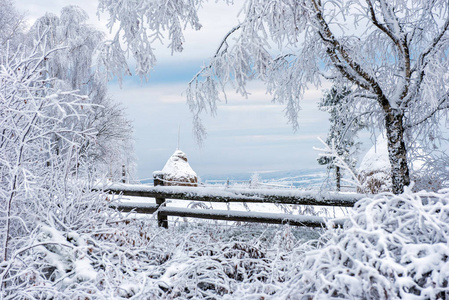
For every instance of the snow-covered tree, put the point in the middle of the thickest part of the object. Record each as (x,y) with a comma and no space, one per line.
(393,52)
(73,65)
(342,131)
(12,26)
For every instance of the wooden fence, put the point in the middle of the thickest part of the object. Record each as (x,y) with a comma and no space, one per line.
(230,195)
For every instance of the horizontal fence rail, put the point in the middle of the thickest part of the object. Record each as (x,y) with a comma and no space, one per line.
(225,215)
(229,195)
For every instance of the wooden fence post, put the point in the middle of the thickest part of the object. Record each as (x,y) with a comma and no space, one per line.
(162,221)
(123,174)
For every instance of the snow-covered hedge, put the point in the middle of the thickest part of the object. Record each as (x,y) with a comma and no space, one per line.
(393,247)
(135,259)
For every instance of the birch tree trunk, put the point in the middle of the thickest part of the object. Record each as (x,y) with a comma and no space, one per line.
(397,153)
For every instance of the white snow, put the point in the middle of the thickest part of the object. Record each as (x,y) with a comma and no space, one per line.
(376,159)
(83,269)
(168,277)
(178,169)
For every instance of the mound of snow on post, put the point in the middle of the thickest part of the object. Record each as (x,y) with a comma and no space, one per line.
(177,170)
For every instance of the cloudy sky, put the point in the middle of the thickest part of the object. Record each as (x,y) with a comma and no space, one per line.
(247,135)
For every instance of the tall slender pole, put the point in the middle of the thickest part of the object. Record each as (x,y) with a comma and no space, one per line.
(179,134)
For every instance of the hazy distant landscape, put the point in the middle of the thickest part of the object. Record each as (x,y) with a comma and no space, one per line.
(307,179)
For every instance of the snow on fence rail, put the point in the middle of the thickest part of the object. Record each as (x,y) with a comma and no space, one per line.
(229,195)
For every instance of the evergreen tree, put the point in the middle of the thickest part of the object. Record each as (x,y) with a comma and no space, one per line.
(343,129)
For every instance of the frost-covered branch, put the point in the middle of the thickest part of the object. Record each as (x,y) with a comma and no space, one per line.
(139,24)
(331,152)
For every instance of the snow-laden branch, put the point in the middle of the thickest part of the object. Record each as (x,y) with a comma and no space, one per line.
(331,152)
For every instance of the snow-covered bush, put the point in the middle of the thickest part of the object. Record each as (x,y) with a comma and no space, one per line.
(393,247)
(428,170)
(41,185)
(201,262)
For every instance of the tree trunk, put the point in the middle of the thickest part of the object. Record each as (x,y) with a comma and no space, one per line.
(397,153)
(338,177)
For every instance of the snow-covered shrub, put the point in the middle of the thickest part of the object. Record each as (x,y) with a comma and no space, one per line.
(128,258)
(219,263)
(432,173)
(200,261)
(427,170)
(393,247)
(47,211)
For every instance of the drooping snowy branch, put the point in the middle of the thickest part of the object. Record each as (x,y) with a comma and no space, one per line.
(141,23)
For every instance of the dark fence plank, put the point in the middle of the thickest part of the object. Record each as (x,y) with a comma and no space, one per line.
(280,196)
(225,215)
(138,207)
(243,216)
